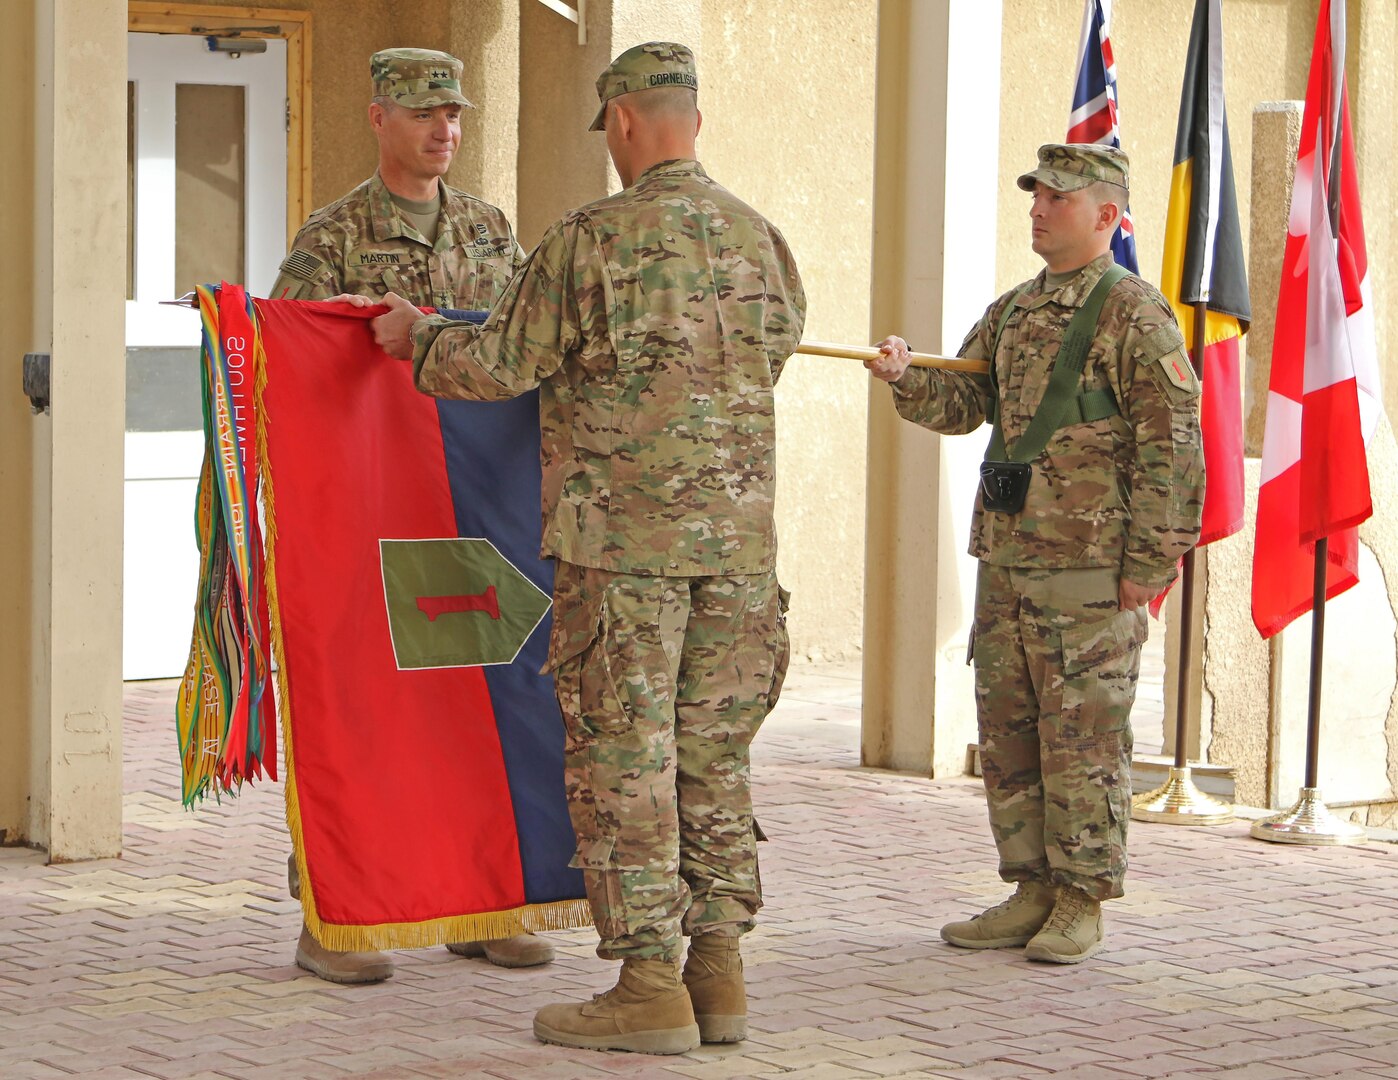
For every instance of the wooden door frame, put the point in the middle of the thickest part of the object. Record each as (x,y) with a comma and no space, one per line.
(294,27)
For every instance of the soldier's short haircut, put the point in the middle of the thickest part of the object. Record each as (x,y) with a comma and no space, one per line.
(1103,192)
(662,102)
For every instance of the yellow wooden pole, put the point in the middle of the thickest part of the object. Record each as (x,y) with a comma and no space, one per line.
(868,352)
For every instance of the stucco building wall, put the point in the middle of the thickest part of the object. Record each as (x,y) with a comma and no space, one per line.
(787,91)
(18,335)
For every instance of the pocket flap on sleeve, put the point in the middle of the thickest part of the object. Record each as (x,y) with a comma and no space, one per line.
(1094,644)
(593,853)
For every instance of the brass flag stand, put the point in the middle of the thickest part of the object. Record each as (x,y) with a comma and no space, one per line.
(1310,821)
(1179,801)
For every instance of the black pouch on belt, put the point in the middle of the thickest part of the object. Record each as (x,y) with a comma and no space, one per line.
(1004,485)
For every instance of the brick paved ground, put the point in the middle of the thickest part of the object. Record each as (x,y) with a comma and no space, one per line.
(1230,956)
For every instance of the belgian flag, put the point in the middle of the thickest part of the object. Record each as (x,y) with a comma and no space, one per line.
(1204,265)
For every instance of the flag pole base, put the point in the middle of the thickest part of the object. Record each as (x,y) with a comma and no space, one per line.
(1179,802)
(1308,822)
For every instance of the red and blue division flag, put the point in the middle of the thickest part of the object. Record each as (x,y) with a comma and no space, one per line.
(1204,264)
(410,619)
(1323,403)
(1094,117)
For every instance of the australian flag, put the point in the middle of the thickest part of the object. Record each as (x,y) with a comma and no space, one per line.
(1094,115)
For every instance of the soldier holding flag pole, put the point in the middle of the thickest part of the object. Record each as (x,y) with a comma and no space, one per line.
(1090,492)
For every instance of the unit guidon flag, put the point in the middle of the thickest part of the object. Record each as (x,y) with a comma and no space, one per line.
(410,619)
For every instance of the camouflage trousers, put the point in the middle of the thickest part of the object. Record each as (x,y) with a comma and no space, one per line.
(663,682)
(1055,669)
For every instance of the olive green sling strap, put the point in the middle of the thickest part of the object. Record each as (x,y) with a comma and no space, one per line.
(1061,405)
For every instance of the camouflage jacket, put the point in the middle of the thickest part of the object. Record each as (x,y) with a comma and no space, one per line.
(655,323)
(361,244)
(1125,490)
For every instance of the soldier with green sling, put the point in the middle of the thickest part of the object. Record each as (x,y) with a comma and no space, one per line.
(405,230)
(655,323)
(1091,491)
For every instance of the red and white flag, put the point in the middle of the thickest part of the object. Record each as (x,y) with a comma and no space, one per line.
(1324,402)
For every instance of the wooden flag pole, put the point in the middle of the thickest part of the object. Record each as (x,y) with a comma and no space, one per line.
(1179,801)
(868,352)
(1309,821)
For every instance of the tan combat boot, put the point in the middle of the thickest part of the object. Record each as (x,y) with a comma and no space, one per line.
(1073,932)
(336,967)
(520,951)
(340,967)
(713,973)
(648,1011)
(1009,923)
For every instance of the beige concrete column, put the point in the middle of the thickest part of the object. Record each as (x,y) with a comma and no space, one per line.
(75,566)
(1239,699)
(1276,134)
(933,276)
(17,337)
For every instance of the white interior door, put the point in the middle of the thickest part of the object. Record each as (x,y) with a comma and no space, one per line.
(207,141)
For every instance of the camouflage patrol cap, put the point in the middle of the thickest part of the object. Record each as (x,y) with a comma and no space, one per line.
(417,78)
(644,67)
(1070,166)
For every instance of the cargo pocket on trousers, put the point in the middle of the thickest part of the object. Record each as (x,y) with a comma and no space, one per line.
(1088,788)
(582,661)
(1101,661)
(605,896)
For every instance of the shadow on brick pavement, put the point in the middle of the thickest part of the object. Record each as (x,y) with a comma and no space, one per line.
(1228,956)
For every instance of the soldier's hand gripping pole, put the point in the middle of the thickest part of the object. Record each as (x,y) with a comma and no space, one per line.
(868,352)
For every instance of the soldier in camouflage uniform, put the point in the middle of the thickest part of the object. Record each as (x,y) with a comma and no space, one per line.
(655,323)
(1113,501)
(404,230)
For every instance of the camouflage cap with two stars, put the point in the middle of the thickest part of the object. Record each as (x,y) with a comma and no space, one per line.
(644,67)
(1071,166)
(417,78)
